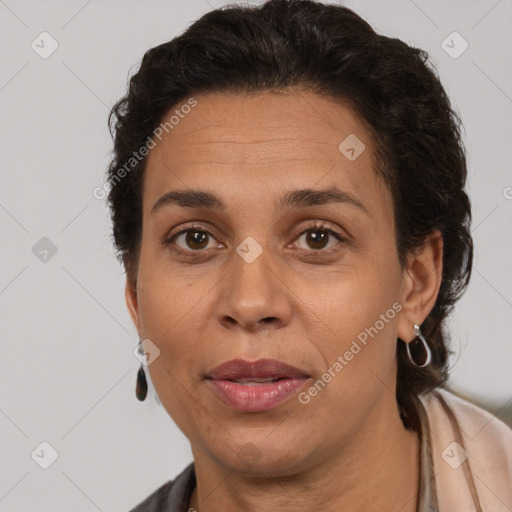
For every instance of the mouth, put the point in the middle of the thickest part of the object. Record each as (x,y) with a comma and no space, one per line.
(255,386)
(254,381)
(262,370)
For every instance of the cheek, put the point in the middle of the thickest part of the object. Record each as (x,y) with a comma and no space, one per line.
(170,321)
(163,308)
(357,354)
(171,297)
(359,312)
(354,299)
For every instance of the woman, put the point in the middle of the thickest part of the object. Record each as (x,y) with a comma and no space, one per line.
(287,196)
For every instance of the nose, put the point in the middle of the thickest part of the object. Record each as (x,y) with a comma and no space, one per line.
(253,295)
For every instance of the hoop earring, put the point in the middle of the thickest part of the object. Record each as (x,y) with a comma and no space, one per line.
(428,358)
(141,388)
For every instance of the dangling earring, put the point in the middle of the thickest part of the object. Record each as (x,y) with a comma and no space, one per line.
(141,389)
(142,385)
(425,346)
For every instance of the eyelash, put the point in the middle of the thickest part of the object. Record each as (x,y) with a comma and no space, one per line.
(320,226)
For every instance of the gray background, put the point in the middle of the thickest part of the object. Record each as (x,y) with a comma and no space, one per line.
(68,371)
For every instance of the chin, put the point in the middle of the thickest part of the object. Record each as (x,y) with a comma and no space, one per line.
(261,458)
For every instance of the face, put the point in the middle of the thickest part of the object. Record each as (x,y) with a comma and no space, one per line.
(313,282)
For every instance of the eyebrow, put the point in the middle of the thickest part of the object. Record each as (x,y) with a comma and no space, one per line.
(293,199)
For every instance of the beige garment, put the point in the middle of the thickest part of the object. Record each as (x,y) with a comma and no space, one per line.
(471,455)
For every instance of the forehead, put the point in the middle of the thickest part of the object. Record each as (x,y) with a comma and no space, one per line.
(263,142)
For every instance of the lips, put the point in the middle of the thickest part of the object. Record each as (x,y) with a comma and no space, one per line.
(239,370)
(256,386)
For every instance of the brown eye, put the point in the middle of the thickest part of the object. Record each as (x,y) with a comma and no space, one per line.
(318,238)
(194,239)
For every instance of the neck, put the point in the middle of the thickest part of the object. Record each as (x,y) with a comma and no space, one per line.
(378,470)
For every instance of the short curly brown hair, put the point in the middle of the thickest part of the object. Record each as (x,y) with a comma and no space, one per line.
(332,51)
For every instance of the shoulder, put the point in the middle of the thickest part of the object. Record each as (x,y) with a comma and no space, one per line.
(471,451)
(477,424)
(156,501)
(172,496)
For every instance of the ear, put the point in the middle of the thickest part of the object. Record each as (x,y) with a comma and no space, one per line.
(421,281)
(130,294)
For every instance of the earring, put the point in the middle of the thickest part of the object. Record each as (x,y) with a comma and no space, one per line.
(141,389)
(425,347)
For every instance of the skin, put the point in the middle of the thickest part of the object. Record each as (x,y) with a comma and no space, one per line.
(347,448)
